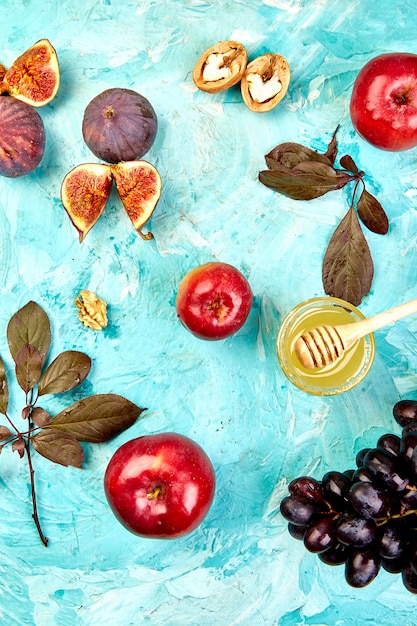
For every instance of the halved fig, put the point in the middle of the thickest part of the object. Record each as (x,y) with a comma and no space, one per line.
(84,194)
(22,138)
(265,82)
(34,77)
(220,67)
(138,184)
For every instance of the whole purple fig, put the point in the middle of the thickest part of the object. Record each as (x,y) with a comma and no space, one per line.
(22,137)
(119,125)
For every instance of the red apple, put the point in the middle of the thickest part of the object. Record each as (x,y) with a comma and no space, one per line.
(160,486)
(213,300)
(383,104)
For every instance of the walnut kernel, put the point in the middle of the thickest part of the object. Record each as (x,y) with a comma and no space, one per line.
(92,310)
(265,82)
(220,67)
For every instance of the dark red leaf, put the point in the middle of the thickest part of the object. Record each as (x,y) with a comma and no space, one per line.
(5,433)
(68,370)
(29,326)
(40,417)
(331,151)
(287,155)
(97,418)
(372,214)
(349,164)
(306,181)
(58,447)
(19,446)
(347,266)
(26,412)
(4,391)
(28,367)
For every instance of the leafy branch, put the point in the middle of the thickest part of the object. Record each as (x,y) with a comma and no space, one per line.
(301,173)
(93,419)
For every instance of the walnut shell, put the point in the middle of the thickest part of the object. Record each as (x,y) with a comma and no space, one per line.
(265,82)
(220,67)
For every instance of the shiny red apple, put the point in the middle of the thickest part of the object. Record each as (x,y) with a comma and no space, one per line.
(383,105)
(213,300)
(160,486)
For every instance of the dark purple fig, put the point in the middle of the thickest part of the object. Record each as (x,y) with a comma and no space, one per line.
(119,125)
(22,137)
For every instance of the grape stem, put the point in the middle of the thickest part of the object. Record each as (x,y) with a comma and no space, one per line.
(380,521)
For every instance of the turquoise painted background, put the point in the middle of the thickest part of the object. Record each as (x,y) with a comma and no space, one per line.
(240,567)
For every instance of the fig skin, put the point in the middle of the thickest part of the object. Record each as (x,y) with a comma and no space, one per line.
(34,77)
(22,138)
(119,125)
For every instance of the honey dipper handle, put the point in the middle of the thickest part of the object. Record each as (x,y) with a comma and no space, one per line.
(352,332)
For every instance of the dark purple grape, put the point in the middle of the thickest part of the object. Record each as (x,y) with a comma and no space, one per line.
(383,467)
(349,473)
(335,487)
(412,554)
(320,534)
(392,540)
(408,452)
(409,579)
(394,566)
(336,554)
(296,532)
(361,475)
(405,412)
(297,509)
(360,456)
(306,486)
(411,428)
(369,501)
(409,498)
(354,530)
(362,566)
(390,443)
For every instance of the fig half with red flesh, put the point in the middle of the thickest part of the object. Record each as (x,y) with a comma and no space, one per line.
(119,125)
(84,194)
(138,184)
(34,77)
(22,138)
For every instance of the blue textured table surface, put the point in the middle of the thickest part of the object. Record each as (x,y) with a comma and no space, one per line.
(240,566)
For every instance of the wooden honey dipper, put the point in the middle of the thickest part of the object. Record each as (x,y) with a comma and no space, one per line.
(324,345)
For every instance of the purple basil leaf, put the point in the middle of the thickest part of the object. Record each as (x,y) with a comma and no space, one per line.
(4,391)
(97,418)
(68,370)
(58,447)
(40,417)
(29,326)
(348,268)
(306,181)
(349,164)
(331,151)
(28,367)
(287,155)
(372,214)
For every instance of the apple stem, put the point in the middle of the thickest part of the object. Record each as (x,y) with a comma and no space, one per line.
(152,495)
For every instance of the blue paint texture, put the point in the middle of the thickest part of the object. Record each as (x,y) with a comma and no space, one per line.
(240,567)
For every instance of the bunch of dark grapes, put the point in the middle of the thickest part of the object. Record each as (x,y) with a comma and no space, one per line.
(366,517)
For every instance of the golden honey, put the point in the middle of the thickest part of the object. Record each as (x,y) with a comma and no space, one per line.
(343,374)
